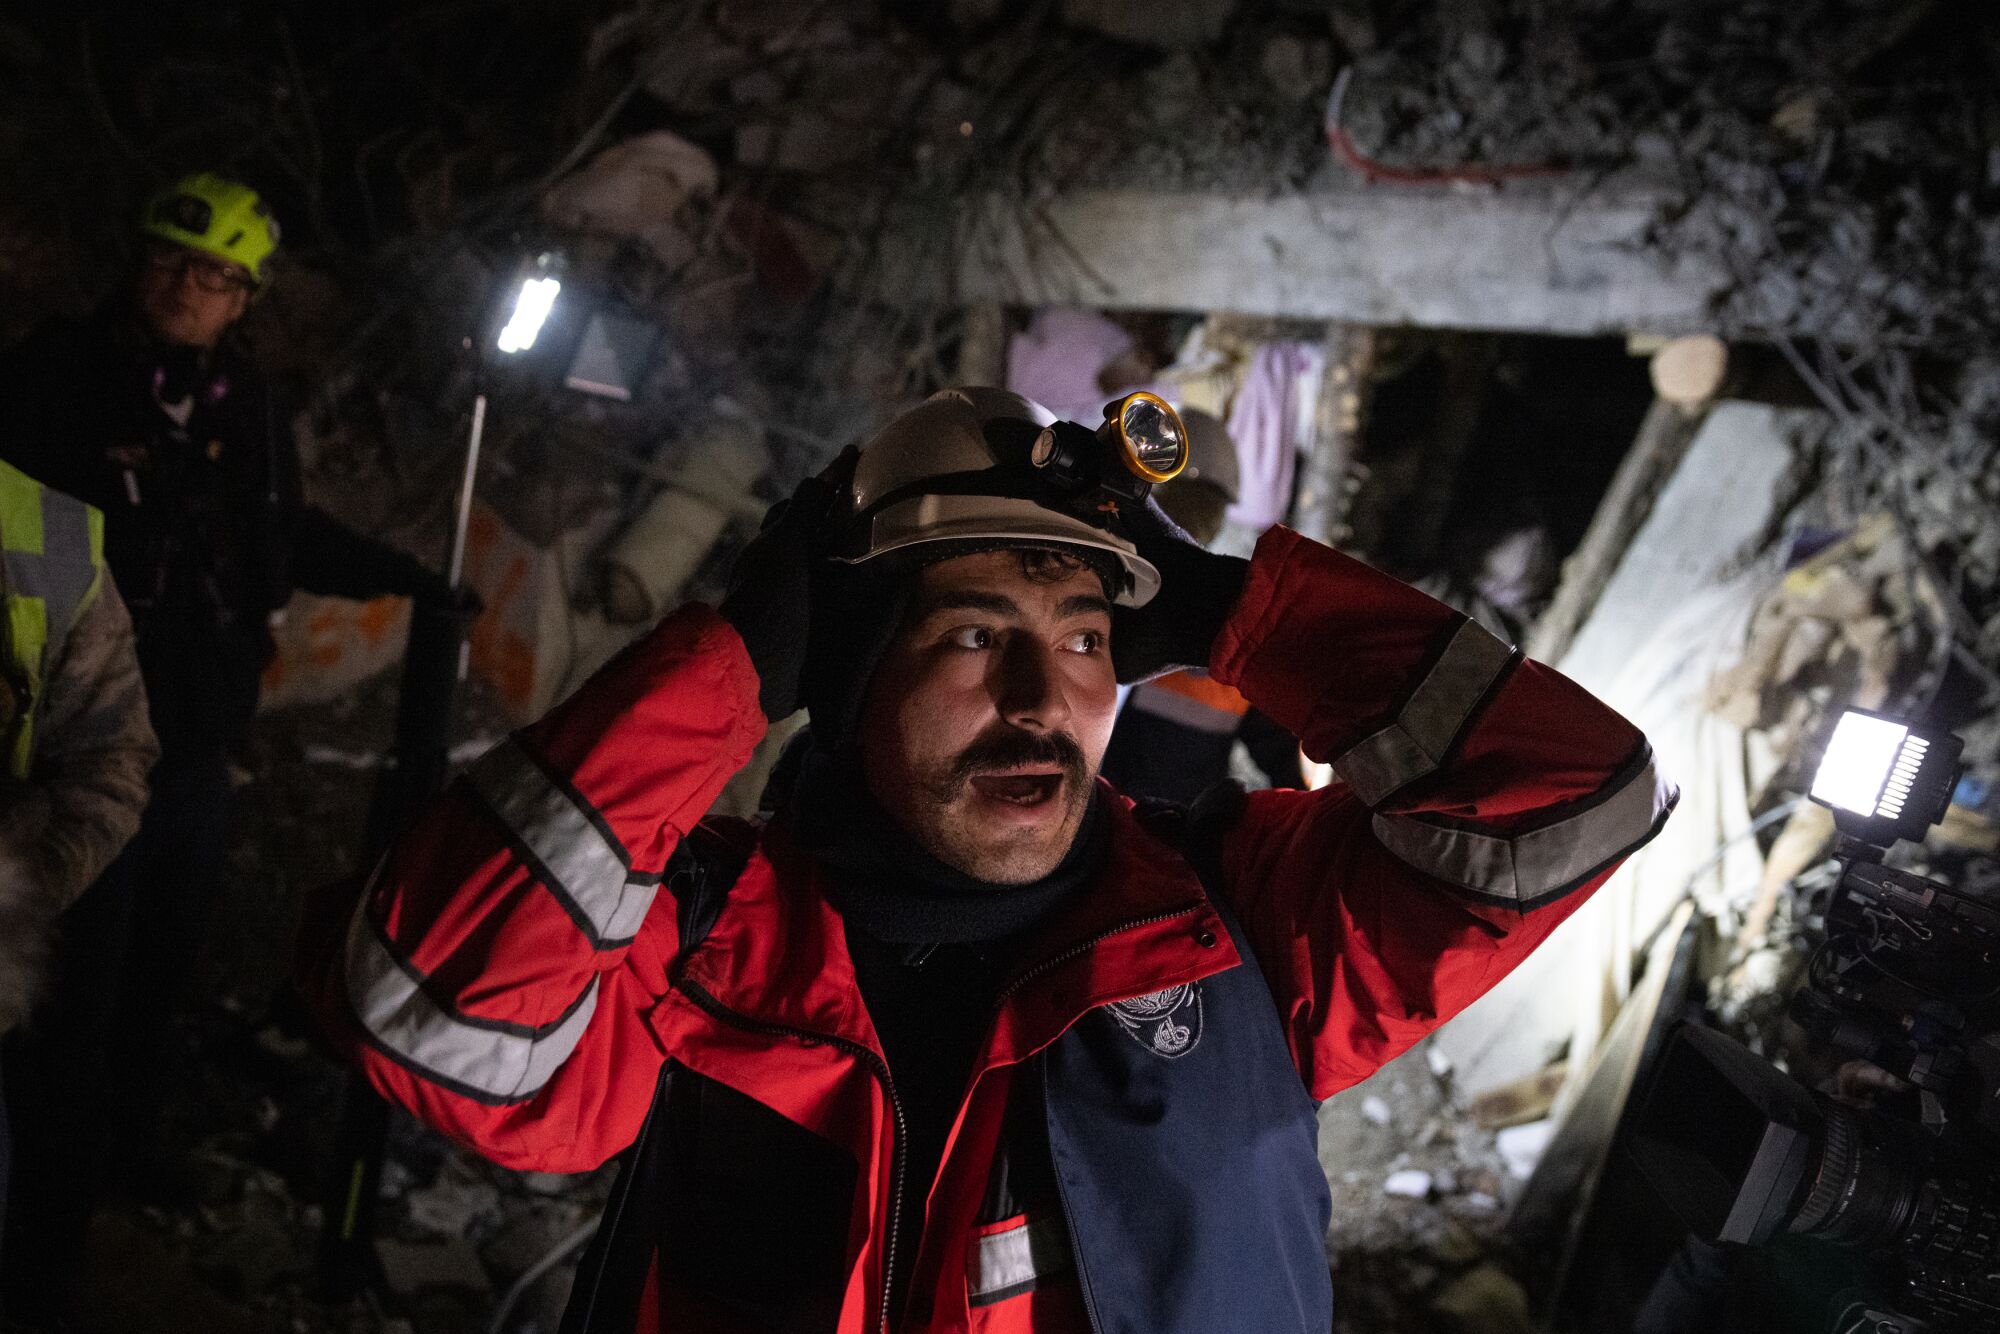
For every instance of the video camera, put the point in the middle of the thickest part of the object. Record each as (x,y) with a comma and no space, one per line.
(1906,979)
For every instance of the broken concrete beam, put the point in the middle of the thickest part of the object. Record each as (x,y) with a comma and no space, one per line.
(1676,600)
(1436,259)
(1663,438)
(1720,498)
(1688,372)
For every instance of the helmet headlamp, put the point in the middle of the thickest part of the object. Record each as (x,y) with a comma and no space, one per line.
(1141,443)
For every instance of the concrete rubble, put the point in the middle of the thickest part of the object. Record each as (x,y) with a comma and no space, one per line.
(455,1232)
(1417,1196)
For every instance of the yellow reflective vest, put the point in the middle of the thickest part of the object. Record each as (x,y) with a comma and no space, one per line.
(54,565)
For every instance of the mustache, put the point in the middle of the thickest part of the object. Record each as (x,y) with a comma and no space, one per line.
(1014,748)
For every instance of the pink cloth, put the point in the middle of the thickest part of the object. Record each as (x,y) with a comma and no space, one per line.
(1057,359)
(1271,419)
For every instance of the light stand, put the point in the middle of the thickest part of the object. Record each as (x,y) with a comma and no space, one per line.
(434,665)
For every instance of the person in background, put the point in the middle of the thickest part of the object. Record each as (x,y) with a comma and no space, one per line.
(75,748)
(152,411)
(1176,732)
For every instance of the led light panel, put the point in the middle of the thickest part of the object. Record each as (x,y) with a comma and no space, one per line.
(531,311)
(1862,762)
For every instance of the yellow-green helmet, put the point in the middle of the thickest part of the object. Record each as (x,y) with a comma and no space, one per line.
(216,216)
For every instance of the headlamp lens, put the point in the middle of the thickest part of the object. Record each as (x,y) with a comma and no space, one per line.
(1154,443)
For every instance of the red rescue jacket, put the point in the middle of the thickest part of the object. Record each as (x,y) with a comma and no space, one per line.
(511,974)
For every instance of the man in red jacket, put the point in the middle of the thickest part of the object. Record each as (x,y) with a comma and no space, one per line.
(968,1042)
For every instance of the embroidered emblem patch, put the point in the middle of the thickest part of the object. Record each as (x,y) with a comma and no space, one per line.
(1166,1023)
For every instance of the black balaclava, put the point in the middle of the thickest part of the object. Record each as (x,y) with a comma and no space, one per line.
(888,884)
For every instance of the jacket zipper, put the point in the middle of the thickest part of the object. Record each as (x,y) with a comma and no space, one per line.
(880,1069)
(877,1066)
(1054,961)
(1085,946)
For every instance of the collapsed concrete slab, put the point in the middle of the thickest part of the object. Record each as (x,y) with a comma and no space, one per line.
(1543,258)
(1675,612)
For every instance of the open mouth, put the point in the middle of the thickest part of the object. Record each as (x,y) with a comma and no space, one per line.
(1018,789)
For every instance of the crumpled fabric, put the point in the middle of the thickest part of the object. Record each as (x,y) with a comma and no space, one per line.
(1056,361)
(1271,421)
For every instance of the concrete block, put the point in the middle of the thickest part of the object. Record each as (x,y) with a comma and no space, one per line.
(1720,500)
(327,646)
(521,642)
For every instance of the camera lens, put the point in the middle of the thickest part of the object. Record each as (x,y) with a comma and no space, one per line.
(1864,1184)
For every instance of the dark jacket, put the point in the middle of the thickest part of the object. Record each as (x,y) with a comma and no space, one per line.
(206,530)
(1174,737)
(514,976)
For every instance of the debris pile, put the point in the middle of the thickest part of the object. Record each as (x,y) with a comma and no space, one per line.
(1837,162)
(1421,1179)
(230,1238)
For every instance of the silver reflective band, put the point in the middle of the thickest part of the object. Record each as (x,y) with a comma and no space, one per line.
(1535,863)
(1178,708)
(502,1063)
(1430,721)
(64,573)
(1011,1262)
(583,865)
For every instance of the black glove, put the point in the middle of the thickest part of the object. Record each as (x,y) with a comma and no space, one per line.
(770,587)
(1198,589)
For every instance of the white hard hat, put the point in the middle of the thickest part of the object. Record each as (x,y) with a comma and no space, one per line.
(937,474)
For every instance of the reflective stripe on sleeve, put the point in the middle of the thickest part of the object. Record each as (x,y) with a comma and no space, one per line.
(488,1060)
(1007,1264)
(573,853)
(1430,720)
(1533,865)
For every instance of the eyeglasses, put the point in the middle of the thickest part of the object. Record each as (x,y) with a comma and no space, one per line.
(210,274)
